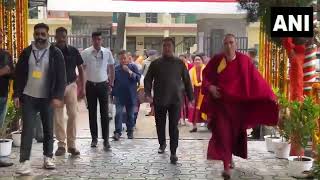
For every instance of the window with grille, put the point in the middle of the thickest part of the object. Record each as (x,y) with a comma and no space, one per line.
(151,18)
(133,14)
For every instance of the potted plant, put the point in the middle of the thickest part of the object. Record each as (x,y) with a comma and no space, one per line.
(273,137)
(282,146)
(5,142)
(10,124)
(270,139)
(14,116)
(300,129)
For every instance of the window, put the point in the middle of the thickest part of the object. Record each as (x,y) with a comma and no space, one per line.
(151,18)
(188,42)
(33,13)
(191,19)
(175,15)
(114,17)
(133,14)
(131,44)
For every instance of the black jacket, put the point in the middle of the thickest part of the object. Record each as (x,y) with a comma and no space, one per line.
(170,81)
(57,73)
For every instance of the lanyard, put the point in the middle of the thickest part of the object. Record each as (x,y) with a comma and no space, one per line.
(38,59)
(101,55)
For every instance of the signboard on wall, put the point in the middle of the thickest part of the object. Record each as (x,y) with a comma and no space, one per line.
(36,3)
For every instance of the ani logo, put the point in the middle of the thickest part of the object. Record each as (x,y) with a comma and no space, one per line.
(291,22)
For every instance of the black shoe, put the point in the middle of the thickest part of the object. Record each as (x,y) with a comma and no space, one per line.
(106,145)
(116,137)
(5,164)
(193,130)
(130,135)
(162,148)
(61,151)
(74,151)
(94,143)
(173,159)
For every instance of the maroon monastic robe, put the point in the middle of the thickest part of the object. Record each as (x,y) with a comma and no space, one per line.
(246,101)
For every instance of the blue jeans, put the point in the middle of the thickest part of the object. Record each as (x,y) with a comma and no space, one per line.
(3,109)
(119,117)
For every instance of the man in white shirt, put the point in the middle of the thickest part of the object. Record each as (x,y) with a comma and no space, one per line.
(99,70)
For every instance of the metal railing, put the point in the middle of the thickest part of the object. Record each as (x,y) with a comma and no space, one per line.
(213,46)
(82,42)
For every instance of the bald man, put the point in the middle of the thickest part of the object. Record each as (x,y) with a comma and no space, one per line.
(236,98)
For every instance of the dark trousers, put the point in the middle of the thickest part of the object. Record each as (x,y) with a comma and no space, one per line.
(161,118)
(30,107)
(38,130)
(98,91)
(135,117)
(256,132)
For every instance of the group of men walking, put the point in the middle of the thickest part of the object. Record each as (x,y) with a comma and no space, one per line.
(45,79)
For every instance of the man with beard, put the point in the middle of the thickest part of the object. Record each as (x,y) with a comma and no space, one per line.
(40,82)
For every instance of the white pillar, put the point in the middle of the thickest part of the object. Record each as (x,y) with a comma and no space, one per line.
(125,40)
(166,33)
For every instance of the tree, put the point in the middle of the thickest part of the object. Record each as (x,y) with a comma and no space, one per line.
(120,32)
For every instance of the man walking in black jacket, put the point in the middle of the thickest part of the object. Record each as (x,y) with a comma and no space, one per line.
(40,82)
(6,70)
(169,78)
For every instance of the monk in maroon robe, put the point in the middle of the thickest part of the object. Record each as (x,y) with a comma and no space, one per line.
(236,98)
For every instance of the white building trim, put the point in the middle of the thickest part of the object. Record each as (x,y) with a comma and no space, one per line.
(144,6)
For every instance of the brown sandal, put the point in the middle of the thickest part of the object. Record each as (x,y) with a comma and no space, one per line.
(225,175)
(232,165)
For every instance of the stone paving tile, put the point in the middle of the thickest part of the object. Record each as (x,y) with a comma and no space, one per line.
(138,159)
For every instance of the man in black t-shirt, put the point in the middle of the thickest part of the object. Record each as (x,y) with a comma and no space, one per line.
(6,69)
(73,60)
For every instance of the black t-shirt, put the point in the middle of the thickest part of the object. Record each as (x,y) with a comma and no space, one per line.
(72,59)
(5,59)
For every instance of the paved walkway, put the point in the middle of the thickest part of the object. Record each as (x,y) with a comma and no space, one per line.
(138,158)
(145,126)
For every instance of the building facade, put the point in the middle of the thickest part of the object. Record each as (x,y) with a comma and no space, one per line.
(146,31)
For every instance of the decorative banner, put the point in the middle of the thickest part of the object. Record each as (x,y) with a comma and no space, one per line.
(309,66)
(273,62)
(14,24)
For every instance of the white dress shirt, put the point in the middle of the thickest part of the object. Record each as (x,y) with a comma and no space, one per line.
(96,63)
